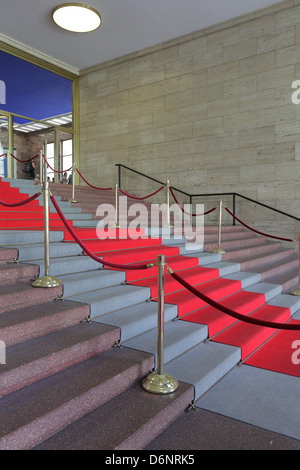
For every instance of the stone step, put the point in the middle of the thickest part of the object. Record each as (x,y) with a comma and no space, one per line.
(264,255)
(35,251)
(110,299)
(69,265)
(204,365)
(8,254)
(76,283)
(19,295)
(179,337)
(22,237)
(34,413)
(236,253)
(269,270)
(136,319)
(41,357)
(289,280)
(128,422)
(14,273)
(232,244)
(25,323)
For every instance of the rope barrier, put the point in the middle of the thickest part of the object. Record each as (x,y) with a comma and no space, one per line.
(24,161)
(256,231)
(228,311)
(183,210)
(3,155)
(90,253)
(21,203)
(95,187)
(55,171)
(141,198)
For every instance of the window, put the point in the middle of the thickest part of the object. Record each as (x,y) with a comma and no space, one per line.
(50,160)
(67,157)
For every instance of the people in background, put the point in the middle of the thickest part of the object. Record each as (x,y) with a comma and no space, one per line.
(36,179)
(64,179)
(32,170)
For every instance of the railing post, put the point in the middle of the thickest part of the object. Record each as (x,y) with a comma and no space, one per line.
(46,280)
(219,250)
(41,167)
(117,206)
(73,184)
(119,175)
(159,382)
(168,224)
(297,291)
(233,208)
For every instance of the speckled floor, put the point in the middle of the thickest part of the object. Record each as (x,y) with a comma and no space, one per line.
(202,430)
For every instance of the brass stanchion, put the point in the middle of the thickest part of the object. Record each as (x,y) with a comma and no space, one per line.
(159,382)
(117,206)
(41,167)
(219,250)
(168,224)
(46,280)
(73,184)
(297,291)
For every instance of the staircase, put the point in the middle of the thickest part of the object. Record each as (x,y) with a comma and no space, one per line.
(76,354)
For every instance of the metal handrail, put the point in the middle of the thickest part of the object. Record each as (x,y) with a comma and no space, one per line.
(120,165)
(191,196)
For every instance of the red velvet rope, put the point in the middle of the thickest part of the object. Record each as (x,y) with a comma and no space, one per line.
(193,215)
(228,311)
(55,171)
(95,187)
(87,251)
(21,203)
(256,231)
(3,155)
(141,198)
(24,161)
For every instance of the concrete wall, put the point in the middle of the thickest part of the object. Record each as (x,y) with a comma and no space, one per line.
(211,112)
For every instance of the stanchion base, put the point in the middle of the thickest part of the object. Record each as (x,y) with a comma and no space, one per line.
(73,200)
(46,281)
(160,384)
(218,250)
(296,292)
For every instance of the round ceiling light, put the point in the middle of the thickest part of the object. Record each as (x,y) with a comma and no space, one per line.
(76,17)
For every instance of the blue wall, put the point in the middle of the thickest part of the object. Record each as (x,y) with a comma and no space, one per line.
(33,91)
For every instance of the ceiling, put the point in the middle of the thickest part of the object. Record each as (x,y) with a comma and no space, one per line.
(127,26)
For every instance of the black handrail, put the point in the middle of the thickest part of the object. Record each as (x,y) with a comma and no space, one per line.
(145,176)
(191,196)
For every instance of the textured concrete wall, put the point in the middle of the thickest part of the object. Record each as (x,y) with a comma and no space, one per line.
(211,112)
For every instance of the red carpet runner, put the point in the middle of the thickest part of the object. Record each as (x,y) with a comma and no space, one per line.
(280,351)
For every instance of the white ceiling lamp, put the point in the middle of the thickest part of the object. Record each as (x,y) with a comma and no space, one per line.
(76,17)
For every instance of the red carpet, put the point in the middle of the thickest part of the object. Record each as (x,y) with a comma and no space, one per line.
(216,289)
(243,302)
(100,246)
(250,337)
(194,276)
(177,262)
(280,354)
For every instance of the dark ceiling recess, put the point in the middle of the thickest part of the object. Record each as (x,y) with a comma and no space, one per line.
(33,91)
